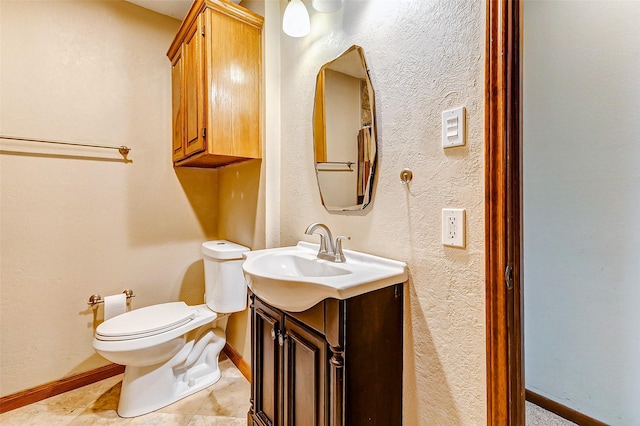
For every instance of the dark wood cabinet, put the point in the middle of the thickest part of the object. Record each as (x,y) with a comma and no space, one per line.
(305,373)
(338,363)
(266,363)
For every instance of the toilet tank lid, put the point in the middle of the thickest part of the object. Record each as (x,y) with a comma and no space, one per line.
(224,250)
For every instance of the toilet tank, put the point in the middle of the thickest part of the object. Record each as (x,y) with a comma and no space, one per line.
(225,287)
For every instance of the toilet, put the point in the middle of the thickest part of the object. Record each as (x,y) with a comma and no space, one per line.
(171,350)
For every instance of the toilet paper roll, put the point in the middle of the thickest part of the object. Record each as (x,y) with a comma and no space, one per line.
(115,305)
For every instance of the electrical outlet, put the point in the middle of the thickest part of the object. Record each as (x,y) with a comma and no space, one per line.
(453,227)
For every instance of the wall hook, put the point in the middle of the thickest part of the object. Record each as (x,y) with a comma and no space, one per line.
(406,175)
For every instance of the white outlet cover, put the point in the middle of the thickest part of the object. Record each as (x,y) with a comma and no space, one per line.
(454,227)
(454,127)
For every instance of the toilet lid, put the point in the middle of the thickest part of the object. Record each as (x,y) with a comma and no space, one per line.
(145,322)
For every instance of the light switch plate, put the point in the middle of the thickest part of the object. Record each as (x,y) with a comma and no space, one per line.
(453,227)
(454,127)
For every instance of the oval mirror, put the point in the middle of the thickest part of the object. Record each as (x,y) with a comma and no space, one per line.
(344,132)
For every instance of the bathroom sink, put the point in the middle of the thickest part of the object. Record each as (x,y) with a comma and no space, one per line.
(294,279)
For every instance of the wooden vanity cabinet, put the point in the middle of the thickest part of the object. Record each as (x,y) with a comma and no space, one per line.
(216,83)
(338,363)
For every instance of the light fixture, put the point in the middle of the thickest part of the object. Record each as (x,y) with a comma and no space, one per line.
(295,22)
(327,6)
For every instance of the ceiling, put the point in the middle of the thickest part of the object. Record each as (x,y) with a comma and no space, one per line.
(174,8)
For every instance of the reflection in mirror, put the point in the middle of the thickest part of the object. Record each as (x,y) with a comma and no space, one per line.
(344,132)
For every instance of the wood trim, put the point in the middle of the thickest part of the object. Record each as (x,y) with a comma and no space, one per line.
(320,121)
(239,362)
(496,328)
(562,410)
(224,6)
(29,396)
(505,387)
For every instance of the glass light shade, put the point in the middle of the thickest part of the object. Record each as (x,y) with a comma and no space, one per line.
(327,6)
(295,22)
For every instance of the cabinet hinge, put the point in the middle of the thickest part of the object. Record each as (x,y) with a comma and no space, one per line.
(508,277)
(282,338)
(202,30)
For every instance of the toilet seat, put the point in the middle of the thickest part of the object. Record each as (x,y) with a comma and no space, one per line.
(145,322)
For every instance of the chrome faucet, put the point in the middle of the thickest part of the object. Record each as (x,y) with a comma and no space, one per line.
(328,249)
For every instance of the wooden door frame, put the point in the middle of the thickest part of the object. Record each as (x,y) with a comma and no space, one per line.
(503,141)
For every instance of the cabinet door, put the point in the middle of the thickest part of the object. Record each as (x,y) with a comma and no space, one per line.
(234,57)
(266,366)
(305,376)
(177,65)
(193,89)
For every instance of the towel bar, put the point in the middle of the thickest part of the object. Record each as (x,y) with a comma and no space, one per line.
(123,150)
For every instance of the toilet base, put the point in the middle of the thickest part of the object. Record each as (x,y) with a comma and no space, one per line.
(193,368)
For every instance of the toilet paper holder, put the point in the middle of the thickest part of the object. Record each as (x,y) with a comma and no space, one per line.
(96,299)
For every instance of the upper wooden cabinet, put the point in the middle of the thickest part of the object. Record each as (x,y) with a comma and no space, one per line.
(216,80)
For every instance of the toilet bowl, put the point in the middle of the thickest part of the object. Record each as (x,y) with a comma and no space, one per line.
(171,350)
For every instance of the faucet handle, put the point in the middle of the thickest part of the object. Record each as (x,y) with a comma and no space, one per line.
(326,239)
(338,248)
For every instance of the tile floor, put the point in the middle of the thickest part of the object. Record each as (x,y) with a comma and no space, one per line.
(225,403)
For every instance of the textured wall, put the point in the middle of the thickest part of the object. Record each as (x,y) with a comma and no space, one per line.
(581,202)
(74,223)
(241,219)
(242,197)
(425,57)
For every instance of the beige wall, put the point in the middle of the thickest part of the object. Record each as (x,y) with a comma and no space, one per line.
(81,221)
(425,57)
(241,219)
(242,201)
(97,71)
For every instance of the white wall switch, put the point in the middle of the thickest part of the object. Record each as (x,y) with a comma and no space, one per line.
(453,227)
(454,127)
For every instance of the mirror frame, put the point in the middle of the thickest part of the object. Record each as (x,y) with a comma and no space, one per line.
(319,135)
